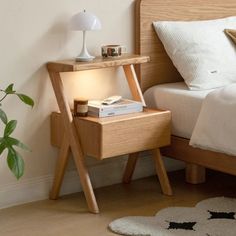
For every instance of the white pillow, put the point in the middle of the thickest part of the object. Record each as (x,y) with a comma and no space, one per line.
(200,50)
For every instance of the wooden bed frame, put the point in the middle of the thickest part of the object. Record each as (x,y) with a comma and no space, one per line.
(161,70)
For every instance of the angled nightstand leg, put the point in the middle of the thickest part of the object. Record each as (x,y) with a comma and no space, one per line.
(73,138)
(161,172)
(137,96)
(133,83)
(130,166)
(60,168)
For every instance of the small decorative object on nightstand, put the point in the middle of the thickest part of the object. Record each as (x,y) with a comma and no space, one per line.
(80,107)
(113,50)
(106,137)
(84,21)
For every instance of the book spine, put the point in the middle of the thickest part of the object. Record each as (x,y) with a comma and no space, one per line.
(115,112)
(115,108)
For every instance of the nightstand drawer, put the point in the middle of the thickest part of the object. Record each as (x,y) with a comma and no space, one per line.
(117,135)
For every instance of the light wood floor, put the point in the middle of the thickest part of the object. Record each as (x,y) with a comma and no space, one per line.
(69,217)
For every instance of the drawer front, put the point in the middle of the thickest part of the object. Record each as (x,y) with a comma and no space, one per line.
(104,140)
(135,135)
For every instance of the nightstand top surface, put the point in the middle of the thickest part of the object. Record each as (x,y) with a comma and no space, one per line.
(139,115)
(97,63)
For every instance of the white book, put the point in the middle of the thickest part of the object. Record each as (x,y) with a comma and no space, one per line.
(124,106)
(97,106)
(115,113)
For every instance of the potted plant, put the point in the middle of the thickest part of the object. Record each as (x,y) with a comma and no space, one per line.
(7,142)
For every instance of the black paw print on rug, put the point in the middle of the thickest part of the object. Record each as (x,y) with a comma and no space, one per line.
(184,225)
(222,215)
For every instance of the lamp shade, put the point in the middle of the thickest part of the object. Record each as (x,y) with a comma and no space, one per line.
(84,21)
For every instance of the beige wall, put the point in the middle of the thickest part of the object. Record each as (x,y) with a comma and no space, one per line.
(32,33)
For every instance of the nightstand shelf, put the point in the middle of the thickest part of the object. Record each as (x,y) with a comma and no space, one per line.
(97,63)
(106,137)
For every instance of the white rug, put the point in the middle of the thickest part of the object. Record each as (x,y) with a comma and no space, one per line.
(210,217)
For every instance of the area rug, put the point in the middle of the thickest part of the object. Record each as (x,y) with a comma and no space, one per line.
(210,217)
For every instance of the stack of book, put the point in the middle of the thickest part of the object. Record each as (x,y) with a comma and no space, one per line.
(124,106)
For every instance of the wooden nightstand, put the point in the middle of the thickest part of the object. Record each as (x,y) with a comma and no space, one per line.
(106,137)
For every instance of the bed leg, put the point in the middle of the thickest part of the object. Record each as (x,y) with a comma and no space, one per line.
(195,174)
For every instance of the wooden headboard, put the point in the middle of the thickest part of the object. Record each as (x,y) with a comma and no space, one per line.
(160,69)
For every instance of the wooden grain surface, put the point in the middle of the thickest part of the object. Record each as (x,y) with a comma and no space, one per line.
(133,83)
(112,119)
(117,135)
(142,133)
(130,167)
(181,150)
(72,137)
(195,174)
(69,216)
(97,63)
(160,69)
(161,172)
(59,171)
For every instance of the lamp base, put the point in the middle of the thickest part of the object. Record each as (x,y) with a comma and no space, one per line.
(85,58)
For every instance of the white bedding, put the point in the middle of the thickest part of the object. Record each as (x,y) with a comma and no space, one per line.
(207,118)
(184,104)
(216,125)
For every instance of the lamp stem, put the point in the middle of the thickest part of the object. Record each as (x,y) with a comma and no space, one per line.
(84,43)
(84,55)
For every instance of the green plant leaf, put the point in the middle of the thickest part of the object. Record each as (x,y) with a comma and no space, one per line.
(9,89)
(10,127)
(2,146)
(15,142)
(15,163)
(3,116)
(26,99)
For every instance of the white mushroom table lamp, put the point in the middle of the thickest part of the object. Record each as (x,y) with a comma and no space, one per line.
(84,21)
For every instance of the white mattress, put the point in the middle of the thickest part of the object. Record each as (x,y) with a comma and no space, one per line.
(184,104)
